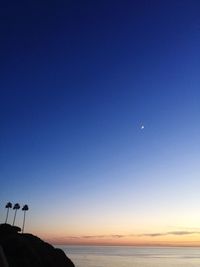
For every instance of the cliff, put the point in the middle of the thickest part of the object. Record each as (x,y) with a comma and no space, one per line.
(26,250)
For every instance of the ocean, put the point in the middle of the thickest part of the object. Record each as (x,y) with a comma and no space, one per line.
(127,256)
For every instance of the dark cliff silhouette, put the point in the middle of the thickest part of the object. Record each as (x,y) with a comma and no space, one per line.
(27,250)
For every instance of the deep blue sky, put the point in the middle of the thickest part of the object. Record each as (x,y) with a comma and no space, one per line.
(78,78)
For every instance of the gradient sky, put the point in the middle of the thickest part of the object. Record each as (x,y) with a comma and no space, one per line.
(77,81)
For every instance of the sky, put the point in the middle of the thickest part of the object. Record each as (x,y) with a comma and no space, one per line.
(78,80)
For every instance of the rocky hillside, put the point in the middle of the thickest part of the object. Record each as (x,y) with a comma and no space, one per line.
(26,250)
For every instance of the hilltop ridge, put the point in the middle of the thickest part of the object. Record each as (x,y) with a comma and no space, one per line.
(27,250)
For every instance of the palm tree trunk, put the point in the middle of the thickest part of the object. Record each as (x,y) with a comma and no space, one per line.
(24,221)
(14,217)
(7,215)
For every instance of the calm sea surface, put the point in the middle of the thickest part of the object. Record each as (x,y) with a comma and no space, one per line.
(114,256)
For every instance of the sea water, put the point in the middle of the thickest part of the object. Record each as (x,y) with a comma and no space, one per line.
(125,256)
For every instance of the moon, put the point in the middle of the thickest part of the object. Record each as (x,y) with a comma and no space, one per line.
(142,127)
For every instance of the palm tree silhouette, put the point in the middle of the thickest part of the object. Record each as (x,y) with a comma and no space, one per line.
(25,208)
(16,207)
(8,206)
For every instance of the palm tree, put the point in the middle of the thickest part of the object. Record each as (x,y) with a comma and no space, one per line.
(25,208)
(16,207)
(8,206)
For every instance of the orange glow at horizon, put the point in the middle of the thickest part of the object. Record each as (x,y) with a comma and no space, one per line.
(120,240)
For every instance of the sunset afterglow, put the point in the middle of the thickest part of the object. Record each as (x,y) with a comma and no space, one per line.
(100,121)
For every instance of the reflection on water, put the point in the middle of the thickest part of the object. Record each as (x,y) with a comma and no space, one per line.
(116,256)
